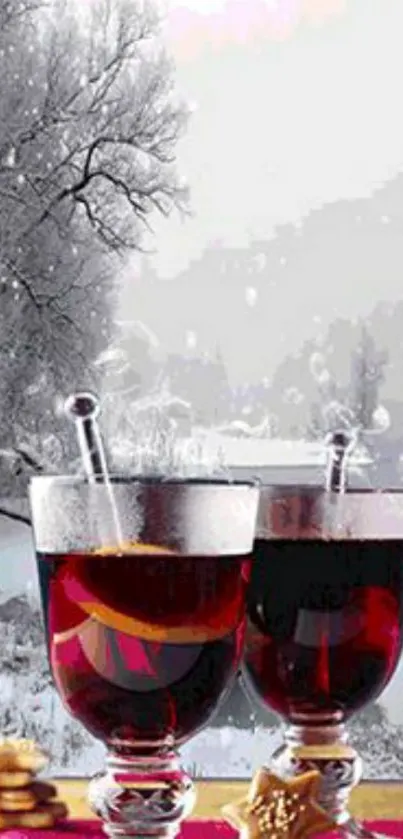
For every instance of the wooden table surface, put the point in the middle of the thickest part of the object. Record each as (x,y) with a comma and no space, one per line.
(369,800)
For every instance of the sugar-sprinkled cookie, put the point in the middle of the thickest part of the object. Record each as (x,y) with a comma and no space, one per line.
(280,808)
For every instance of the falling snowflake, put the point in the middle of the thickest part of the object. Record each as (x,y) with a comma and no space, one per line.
(293,396)
(260,261)
(250,296)
(191,339)
(11,158)
(323,377)
(317,366)
(58,405)
(381,419)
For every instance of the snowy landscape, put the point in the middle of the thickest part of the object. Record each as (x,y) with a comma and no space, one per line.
(233,340)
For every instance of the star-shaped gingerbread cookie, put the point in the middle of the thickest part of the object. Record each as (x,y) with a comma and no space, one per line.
(278,808)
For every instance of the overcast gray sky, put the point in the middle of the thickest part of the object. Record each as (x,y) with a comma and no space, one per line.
(298,105)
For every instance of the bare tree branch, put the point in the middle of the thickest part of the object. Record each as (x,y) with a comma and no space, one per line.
(10,514)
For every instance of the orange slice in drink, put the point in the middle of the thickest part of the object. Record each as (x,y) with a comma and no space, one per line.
(133,548)
(190,631)
(67,613)
(196,633)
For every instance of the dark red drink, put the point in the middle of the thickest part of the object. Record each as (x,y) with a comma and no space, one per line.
(325,624)
(142,645)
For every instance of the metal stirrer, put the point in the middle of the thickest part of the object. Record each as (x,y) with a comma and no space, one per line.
(339,445)
(83,409)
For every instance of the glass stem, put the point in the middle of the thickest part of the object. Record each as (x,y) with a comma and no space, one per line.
(324,748)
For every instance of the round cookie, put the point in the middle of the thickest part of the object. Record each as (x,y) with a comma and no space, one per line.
(17,800)
(25,799)
(21,754)
(18,779)
(45,815)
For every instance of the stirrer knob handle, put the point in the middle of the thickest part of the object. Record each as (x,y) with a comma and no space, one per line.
(339,445)
(82,406)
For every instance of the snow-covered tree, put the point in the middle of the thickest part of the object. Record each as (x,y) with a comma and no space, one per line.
(367,373)
(89,121)
(353,404)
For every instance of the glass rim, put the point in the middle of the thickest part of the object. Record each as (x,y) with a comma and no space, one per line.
(320,490)
(146,480)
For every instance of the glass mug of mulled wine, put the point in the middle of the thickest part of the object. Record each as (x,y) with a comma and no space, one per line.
(144,632)
(325,623)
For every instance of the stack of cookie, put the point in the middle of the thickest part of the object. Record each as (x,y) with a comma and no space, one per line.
(24,800)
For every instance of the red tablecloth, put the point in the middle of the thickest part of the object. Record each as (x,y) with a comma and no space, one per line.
(203,829)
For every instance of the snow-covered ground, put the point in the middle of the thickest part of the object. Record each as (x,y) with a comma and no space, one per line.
(233,753)
(214,753)
(239,446)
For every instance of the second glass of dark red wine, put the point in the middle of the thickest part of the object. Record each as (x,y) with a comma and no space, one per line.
(143,587)
(325,624)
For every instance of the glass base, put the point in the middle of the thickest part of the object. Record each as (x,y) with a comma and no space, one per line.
(138,797)
(325,748)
